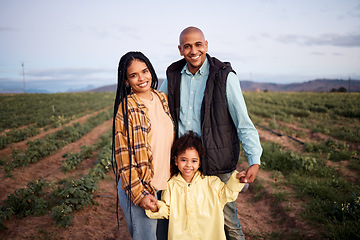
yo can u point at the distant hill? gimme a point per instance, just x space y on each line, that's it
21 90
107 88
318 85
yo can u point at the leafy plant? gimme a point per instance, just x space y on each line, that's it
5 214
73 159
62 215
40 148
27 201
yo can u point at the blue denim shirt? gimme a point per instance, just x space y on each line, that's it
192 89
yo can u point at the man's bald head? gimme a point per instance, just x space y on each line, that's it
190 30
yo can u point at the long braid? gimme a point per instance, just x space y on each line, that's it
121 98
122 92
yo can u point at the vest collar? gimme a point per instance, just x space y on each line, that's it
203 69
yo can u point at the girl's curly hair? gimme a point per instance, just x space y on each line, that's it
189 140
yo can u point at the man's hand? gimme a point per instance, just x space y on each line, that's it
149 202
251 173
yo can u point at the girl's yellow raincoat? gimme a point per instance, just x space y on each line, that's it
195 210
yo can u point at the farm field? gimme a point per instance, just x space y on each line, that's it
57 181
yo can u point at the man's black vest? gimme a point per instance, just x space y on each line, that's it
218 132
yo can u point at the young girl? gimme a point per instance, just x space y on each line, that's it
143 133
192 202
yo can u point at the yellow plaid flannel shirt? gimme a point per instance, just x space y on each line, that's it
141 167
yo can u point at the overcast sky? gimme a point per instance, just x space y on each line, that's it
70 44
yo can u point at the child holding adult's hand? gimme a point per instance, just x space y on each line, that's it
192 202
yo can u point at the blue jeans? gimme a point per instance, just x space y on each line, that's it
139 225
232 226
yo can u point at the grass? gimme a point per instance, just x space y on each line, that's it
279 197
333 114
332 202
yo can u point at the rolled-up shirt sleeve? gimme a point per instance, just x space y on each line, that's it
246 131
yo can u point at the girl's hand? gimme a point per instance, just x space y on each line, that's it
241 176
156 210
149 202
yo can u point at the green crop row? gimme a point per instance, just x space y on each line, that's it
305 103
74 195
74 159
17 135
26 201
333 114
49 109
61 198
40 148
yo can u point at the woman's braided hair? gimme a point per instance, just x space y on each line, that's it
122 91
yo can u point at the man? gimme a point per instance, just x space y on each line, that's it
205 97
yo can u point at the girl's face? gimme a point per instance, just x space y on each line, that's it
188 163
139 77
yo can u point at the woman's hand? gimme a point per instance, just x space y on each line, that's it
149 202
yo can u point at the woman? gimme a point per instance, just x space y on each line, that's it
143 133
